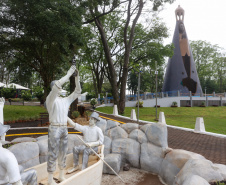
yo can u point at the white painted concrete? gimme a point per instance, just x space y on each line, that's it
133 115
162 118
199 125
115 110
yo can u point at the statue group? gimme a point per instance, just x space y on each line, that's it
57 107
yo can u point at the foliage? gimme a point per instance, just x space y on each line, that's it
41 34
38 92
8 92
174 103
75 114
26 95
214 117
93 102
210 63
140 104
203 103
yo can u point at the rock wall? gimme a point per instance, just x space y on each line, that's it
144 147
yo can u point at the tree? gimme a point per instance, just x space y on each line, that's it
210 65
117 74
41 34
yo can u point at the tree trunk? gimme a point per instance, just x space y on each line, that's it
113 77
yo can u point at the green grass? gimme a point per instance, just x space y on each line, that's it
214 117
18 112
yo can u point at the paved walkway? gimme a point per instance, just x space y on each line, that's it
211 147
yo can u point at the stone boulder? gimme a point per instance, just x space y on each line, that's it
195 179
23 139
43 150
156 133
116 133
139 136
73 141
114 161
129 150
27 153
201 167
221 169
129 127
173 162
107 145
151 158
102 124
42 137
112 124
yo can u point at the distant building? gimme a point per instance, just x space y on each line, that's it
181 74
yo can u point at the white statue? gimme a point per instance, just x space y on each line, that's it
93 136
58 133
9 169
2 102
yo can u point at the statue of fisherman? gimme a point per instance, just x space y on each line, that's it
57 108
93 137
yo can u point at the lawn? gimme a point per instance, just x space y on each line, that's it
19 112
214 117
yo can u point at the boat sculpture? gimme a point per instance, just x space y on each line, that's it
93 171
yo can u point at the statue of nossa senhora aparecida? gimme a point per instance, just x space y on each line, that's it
57 108
10 172
93 137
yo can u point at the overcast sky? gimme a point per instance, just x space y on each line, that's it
204 20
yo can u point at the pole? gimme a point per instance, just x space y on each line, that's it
156 103
138 97
101 159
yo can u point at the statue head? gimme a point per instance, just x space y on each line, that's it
94 117
61 93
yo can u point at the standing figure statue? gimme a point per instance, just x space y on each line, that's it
9 169
58 133
93 136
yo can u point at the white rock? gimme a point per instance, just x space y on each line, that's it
151 157
116 133
156 133
23 139
42 137
112 124
139 136
129 150
221 169
102 124
114 161
195 179
107 145
173 162
201 167
129 127
43 150
27 153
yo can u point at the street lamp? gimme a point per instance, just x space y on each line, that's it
156 102
205 91
138 97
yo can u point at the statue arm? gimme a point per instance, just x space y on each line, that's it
77 90
75 125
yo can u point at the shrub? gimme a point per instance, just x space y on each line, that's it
8 92
38 92
75 114
140 104
93 102
26 95
174 103
203 103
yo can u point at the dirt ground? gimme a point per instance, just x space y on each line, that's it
132 177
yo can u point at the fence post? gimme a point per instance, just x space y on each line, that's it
207 101
221 103
214 94
178 93
190 98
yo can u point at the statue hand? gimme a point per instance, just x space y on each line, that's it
71 70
